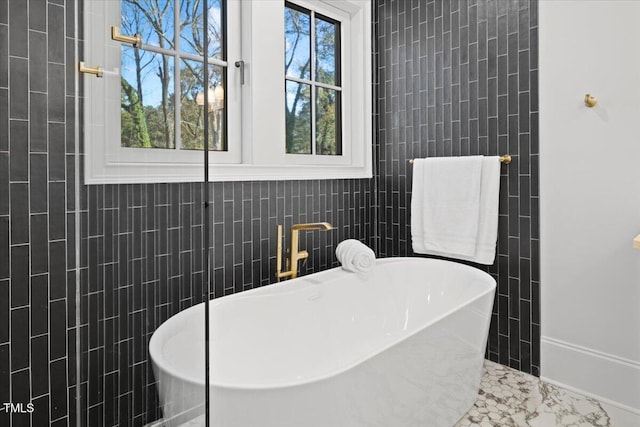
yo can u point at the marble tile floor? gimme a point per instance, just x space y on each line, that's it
510 398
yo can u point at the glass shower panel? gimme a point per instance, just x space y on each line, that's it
141 245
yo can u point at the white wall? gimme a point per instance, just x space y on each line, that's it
590 197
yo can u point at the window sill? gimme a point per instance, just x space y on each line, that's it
142 173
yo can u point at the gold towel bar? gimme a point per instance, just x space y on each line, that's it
506 159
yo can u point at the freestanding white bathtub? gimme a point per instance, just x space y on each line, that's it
400 346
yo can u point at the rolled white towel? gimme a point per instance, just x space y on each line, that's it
355 256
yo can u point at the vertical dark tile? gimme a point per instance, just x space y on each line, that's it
514 298
20 392
57 212
58 372
70 182
4 56
525 320
70 18
523 30
56 34
37 61
19 276
18 88
57 270
18 28
4 311
56 91
503 344
514 340
535 350
5 380
57 330
37 15
38 122
19 151
535 303
39 366
4 247
38 184
19 213
533 56
70 118
4 119
40 305
535 218
39 244
4 12
57 157
95 380
40 415
5 196
535 260
20 339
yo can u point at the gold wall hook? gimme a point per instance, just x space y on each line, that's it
135 40
590 100
96 71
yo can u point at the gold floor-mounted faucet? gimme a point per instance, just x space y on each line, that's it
296 254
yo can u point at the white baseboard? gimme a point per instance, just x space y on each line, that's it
606 377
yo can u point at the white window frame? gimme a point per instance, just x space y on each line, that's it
256 126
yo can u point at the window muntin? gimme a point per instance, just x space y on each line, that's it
162 80
313 83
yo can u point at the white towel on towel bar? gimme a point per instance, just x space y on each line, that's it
454 207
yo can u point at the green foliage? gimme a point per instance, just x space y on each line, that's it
134 124
326 132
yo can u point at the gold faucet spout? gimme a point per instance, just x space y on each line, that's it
313 226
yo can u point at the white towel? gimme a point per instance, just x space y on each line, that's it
442 223
355 256
446 220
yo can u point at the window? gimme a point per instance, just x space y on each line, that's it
284 80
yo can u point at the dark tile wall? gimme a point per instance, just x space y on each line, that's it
37 221
476 61
458 78
142 264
